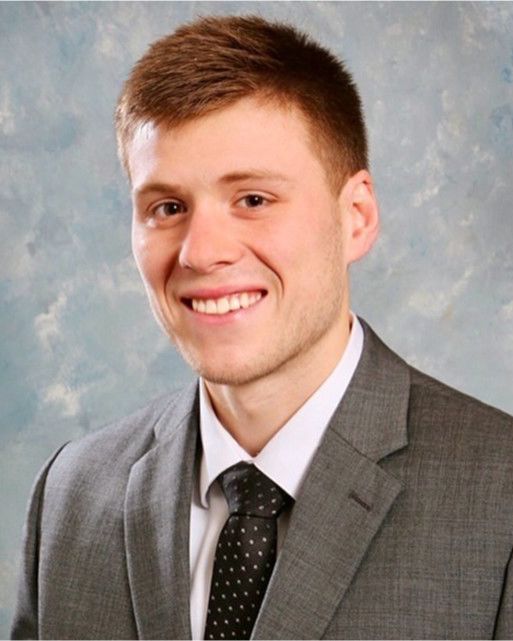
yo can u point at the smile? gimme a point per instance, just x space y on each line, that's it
224 304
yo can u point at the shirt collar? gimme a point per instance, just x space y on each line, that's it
286 457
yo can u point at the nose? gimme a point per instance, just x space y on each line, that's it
209 242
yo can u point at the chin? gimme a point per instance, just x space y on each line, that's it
226 375
227 368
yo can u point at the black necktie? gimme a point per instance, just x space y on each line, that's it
245 553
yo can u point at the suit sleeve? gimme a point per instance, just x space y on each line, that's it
25 623
504 621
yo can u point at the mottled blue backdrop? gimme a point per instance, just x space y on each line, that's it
78 344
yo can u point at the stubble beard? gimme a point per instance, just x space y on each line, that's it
287 350
300 340
291 348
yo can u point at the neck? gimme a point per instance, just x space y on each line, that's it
254 412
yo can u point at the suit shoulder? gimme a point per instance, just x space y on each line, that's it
112 450
441 406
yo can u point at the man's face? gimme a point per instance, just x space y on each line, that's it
239 240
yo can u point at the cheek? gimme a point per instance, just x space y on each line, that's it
279 248
318 264
305 241
292 245
152 255
141 253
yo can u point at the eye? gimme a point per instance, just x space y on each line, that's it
251 201
168 209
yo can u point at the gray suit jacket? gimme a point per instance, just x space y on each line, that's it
403 527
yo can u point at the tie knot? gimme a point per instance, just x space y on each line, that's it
250 492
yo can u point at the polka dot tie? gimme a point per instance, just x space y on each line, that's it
245 553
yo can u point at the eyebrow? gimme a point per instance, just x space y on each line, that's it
239 176
156 187
227 179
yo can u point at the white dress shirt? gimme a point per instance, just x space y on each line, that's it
285 459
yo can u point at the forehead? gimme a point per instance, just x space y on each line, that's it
250 133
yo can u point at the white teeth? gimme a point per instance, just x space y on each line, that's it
226 303
223 306
234 303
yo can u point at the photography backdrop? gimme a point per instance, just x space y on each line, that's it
78 345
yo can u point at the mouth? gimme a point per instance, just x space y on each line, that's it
223 305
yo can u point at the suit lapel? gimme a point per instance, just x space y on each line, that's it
342 503
157 510
343 500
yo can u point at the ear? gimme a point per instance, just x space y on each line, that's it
361 215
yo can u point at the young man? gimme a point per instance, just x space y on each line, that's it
311 484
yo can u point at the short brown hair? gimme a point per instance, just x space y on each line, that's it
212 62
